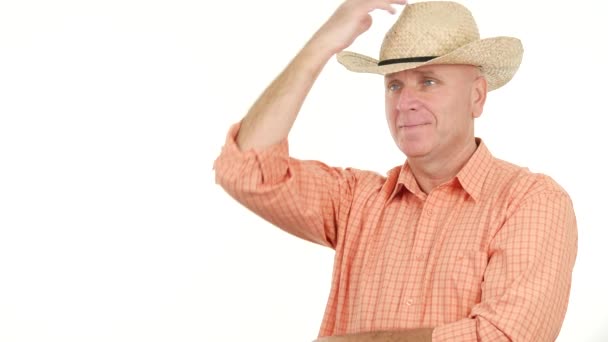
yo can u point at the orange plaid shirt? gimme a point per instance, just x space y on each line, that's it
487 256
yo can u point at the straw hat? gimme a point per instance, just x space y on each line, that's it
440 32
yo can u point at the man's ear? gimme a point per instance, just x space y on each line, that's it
479 92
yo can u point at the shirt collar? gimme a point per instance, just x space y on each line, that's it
471 177
474 173
400 178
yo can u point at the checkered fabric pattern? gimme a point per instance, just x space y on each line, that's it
487 256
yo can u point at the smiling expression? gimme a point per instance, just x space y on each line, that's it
430 109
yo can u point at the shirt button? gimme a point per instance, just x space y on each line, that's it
409 302
429 212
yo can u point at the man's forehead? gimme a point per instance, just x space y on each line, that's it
432 69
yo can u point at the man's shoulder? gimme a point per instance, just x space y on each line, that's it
371 177
366 182
520 183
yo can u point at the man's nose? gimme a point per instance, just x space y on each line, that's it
408 99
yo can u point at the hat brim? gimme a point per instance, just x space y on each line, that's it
498 57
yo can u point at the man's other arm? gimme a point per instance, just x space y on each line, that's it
413 335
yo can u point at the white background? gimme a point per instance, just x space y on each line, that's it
112 113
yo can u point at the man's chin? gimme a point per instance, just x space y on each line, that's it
415 151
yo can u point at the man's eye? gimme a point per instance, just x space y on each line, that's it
429 82
393 87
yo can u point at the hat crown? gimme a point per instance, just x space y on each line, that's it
428 29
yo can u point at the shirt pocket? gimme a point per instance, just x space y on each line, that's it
467 276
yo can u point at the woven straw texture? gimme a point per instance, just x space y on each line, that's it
446 30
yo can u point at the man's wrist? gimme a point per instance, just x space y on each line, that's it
320 47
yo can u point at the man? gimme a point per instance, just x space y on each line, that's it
454 245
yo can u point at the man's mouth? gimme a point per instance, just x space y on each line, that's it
413 125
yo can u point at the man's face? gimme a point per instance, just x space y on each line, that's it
430 109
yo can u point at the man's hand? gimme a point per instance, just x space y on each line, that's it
413 335
349 21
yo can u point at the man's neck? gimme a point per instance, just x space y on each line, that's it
431 172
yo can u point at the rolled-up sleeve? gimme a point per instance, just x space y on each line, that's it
305 198
527 281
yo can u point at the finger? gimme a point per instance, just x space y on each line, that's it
399 2
387 5
395 2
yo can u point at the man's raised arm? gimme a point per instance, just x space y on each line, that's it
271 117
